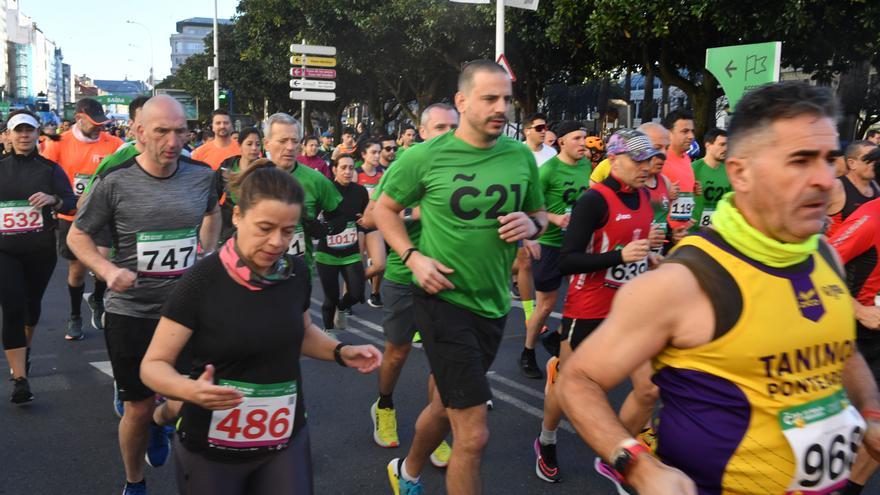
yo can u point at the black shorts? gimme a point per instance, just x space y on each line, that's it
460 346
545 271
870 349
127 341
576 331
102 239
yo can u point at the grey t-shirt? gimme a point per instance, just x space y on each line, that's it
155 224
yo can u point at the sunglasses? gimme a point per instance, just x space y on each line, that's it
390 148
539 127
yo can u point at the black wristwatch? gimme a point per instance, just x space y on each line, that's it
337 355
626 456
537 226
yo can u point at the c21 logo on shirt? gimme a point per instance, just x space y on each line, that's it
570 196
498 191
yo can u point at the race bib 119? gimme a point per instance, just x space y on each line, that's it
166 253
264 418
824 435
683 207
19 216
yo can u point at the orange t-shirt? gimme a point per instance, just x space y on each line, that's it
80 159
679 171
214 155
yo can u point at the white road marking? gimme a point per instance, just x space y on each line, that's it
103 367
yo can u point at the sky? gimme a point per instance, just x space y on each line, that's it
96 41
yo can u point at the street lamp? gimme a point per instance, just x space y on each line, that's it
150 34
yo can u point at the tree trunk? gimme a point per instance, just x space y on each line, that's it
647 113
704 105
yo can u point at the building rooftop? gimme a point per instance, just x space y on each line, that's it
200 21
122 88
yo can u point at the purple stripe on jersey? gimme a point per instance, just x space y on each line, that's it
702 422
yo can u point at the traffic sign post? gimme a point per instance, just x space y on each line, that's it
312 84
327 51
740 68
312 95
313 73
316 56
313 61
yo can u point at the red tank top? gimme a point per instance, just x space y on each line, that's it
589 294
369 182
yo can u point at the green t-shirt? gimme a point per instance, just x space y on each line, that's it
125 153
715 184
321 195
462 191
562 185
395 270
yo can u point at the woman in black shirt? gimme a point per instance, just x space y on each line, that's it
244 311
249 140
31 187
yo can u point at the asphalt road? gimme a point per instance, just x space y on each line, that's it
65 442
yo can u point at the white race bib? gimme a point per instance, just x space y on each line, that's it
824 435
298 244
166 253
706 217
345 239
683 207
618 275
19 216
264 418
80 181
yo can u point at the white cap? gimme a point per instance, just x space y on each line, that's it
22 118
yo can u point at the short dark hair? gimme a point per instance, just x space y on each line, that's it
406 128
713 134
348 130
384 138
364 144
220 111
263 180
470 69
871 133
854 149
676 115
532 117
335 162
247 132
760 107
310 138
135 105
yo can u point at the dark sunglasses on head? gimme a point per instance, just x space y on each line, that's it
539 127
390 148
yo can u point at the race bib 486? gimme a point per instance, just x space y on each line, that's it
264 418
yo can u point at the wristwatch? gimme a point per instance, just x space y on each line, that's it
626 456
537 226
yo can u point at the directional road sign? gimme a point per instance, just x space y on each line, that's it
311 84
328 51
314 61
312 95
313 73
740 68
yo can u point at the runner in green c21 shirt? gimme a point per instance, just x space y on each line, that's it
711 174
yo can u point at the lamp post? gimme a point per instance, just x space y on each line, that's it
150 34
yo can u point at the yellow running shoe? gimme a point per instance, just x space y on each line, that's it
417 340
384 426
648 438
440 456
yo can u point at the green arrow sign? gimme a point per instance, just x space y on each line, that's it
740 68
114 99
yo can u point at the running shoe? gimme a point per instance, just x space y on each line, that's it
546 466
330 332
340 319
552 371
417 340
135 488
97 309
648 438
613 476
375 300
118 406
384 426
399 485
514 290
159 448
74 328
21 391
440 456
528 365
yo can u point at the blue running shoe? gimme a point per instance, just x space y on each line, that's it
118 406
135 488
159 448
399 485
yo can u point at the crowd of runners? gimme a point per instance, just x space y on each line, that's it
734 283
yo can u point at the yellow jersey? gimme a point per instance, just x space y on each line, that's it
761 408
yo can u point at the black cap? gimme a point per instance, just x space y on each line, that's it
92 110
566 126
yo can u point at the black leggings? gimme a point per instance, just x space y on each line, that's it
23 280
355 282
288 472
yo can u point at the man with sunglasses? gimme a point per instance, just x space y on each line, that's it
388 151
79 152
535 131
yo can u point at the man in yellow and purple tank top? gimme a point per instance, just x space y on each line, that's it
749 329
